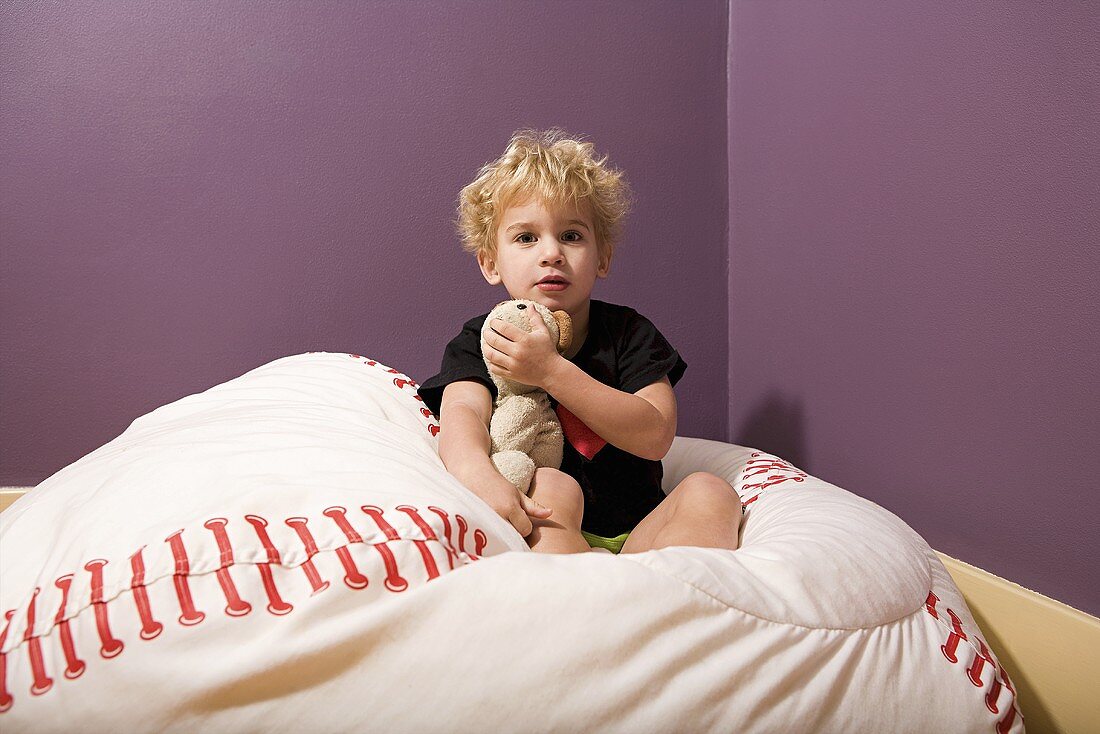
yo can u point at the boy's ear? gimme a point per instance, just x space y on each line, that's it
603 267
488 268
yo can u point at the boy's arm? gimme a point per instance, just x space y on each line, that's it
464 445
464 442
643 424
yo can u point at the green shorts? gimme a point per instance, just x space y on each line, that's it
612 544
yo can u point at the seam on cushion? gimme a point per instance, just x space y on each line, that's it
206 565
465 558
929 606
111 646
687 583
766 464
299 555
957 634
213 564
753 614
999 678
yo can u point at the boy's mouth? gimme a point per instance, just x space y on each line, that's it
552 283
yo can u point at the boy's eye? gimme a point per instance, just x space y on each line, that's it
565 236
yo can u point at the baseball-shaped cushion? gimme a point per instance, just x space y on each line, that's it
286 551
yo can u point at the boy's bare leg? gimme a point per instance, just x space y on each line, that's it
548 536
703 511
561 532
714 529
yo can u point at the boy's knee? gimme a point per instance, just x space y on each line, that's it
559 491
706 489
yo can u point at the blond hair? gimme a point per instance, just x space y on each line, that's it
550 166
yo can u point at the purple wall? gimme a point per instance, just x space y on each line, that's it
188 191
914 221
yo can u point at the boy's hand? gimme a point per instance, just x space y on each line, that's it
525 357
507 501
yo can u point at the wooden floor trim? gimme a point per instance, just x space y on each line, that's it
1050 650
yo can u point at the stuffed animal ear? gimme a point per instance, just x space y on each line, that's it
565 330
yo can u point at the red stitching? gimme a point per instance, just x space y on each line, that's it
375 514
980 659
451 553
772 480
111 646
5 696
401 382
275 603
259 524
42 682
422 545
394 581
768 463
953 638
339 516
188 614
480 539
150 628
310 569
1006 723
991 697
930 605
420 523
982 655
462 527
353 578
234 605
74 666
426 556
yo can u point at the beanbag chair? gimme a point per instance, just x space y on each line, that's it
286 551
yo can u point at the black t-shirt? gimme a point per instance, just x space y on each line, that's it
624 350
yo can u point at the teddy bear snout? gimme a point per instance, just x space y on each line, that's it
521 306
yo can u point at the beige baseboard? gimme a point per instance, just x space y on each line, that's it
11 494
1051 650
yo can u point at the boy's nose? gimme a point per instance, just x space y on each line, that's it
551 254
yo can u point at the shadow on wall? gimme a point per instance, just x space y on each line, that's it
775 426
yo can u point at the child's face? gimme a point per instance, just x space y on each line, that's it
534 242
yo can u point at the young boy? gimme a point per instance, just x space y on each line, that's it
543 220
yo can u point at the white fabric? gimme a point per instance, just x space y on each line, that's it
192 604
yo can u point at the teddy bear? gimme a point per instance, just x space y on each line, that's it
524 430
